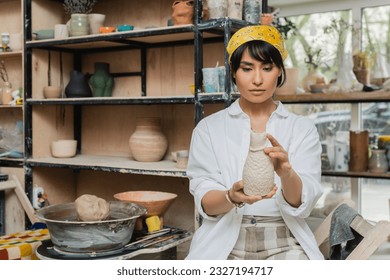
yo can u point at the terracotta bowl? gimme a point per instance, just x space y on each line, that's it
156 203
64 148
107 29
52 92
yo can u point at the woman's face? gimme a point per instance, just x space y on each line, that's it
256 81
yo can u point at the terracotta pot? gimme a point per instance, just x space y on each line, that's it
156 203
148 143
182 12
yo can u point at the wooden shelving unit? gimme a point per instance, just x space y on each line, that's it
11 18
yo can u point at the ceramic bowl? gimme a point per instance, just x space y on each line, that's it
124 27
156 203
107 29
52 92
317 88
63 148
44 34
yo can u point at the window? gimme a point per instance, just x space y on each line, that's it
313 34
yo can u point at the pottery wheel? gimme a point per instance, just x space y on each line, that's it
48 251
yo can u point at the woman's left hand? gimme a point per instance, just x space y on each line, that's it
279 157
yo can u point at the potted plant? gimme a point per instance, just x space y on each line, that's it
314 81
78 6
78 11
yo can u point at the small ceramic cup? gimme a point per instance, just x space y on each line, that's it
15 41
61 31
64 148
95 22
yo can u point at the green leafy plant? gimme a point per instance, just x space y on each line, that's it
78 6
285 26
313 58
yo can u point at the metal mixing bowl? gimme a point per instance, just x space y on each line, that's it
71 235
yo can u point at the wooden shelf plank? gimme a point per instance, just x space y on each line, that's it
11 54
348 97
11 162
115 100
11 106
356 174
111 164
134 38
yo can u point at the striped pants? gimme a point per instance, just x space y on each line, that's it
266 238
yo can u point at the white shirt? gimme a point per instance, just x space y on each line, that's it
219 147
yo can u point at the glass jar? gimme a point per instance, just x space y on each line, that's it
5 42
378 161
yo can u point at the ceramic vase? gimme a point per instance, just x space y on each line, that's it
78 86
235 9
148 143
378 161
258 174
6 96
358 150
217 8
101 81
252 11
79 25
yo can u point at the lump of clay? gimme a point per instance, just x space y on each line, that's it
92 208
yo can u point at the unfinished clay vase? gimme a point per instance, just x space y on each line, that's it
148 143
258 174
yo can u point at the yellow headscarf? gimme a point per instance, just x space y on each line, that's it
265 33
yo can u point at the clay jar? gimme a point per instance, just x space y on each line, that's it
101 81
148 143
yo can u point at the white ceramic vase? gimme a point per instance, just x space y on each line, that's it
258 174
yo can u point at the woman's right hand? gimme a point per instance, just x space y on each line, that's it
237 194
